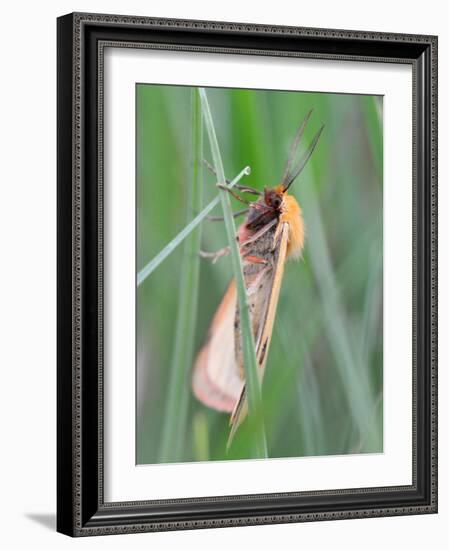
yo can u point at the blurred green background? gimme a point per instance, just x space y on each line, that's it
322 392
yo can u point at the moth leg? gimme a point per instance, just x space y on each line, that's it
229 190
211 169
248 189
215 256
243 188
221 218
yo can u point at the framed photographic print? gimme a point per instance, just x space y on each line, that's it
247 281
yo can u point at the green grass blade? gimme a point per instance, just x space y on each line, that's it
175 419
201 437
353 377
309 402
249 353
372 109
174 243
371 310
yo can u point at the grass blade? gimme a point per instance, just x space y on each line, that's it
249 352
201 437
372 109
174 243
175 419
354 379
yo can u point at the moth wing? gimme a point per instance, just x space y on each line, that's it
264 340
266 325
216 381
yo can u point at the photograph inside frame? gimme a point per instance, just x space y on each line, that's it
304 177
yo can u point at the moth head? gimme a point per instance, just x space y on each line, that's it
274 197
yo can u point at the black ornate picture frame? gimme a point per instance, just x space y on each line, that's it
81 509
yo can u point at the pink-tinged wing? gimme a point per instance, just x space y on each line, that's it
216 381
265 301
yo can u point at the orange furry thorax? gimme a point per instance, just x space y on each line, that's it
291 213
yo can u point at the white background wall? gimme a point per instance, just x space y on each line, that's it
27 299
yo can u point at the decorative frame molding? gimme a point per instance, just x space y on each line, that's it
81 41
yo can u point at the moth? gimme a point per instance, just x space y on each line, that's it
272 232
